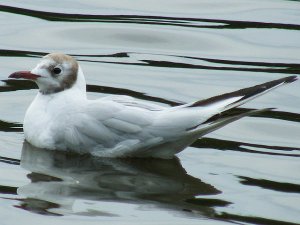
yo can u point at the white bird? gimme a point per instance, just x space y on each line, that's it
62 118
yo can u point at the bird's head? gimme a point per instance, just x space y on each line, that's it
56 72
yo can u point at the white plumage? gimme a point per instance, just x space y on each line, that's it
62 118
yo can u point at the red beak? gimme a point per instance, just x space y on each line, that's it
25 75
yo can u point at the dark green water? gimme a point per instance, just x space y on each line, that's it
166 52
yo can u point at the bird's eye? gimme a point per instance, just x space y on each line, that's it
57 70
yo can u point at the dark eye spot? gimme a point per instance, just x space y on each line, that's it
56 70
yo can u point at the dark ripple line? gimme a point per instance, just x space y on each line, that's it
10 126
212 60
8 190
225 145
252 219
281 115
247 63
168 64
31 54
289 68
286 68
271 185
142 19
192 66
9 160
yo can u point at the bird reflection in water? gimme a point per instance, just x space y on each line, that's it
58 179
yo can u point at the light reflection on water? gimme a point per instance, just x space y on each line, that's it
168 53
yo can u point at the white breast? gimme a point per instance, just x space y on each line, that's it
36 124
45 114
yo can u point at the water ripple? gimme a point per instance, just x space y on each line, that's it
142 59
158 51
140 19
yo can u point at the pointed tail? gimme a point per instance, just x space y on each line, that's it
239 97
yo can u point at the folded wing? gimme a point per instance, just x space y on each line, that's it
123 126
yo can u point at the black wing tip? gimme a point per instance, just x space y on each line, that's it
247 92
290 79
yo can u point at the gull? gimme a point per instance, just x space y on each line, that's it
62 118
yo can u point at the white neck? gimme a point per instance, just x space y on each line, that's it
80 83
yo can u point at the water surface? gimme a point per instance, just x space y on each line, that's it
166 52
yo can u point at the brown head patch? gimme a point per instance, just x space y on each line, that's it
69 67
